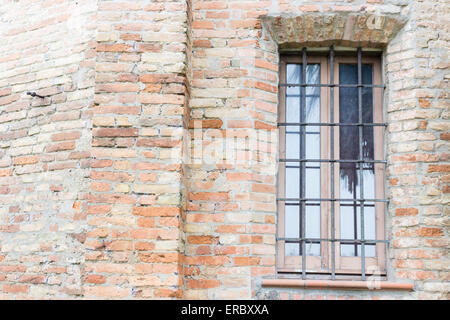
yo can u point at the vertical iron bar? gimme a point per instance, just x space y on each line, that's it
361 171
302 166
333 236
300 104
355 215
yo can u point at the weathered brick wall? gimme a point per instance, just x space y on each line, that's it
91 177
231 219
103 193
134 244
417 146
48 48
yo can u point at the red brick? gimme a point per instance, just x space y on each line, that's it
264 126
438 168
101 163
218 196
25 160
159 257
63 146
115 132
203 239
430 232
202 24
15 288
406 212
205 124
246 261
114 48
230 229
147 177
97 279
263 188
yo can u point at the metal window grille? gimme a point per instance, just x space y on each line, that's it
302 163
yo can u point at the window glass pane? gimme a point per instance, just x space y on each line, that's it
292 229
369 181
293 76
312 182
312 144
348 214
349 189
292 182
312 93
292 221
312 229
292 146
293 113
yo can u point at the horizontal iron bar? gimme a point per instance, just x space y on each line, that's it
329 124
318 204
329 85
333 160
331 199
332 240
307 167
306 204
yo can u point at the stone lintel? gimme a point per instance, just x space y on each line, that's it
347 29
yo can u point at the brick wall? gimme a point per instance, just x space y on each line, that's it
134 243
417 147
103 190
48 48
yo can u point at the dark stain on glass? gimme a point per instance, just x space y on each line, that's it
349 113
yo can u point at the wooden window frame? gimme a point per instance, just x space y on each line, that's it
320 266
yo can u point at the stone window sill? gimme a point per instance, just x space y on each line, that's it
338 284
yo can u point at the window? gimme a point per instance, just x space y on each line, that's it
331 167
